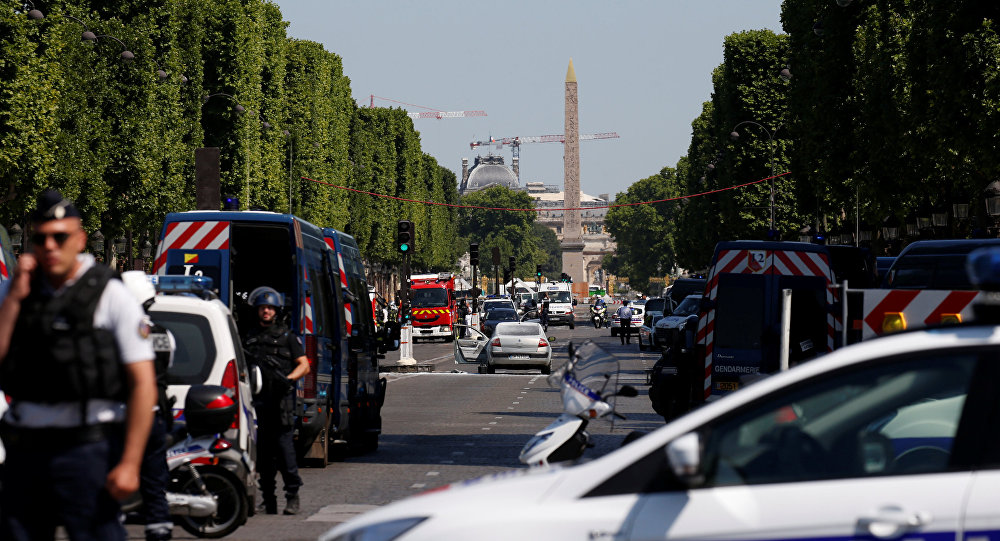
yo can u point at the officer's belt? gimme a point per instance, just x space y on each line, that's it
19 436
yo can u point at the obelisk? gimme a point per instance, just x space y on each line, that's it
572 241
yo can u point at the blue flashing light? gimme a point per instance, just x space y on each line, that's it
983 268
197 285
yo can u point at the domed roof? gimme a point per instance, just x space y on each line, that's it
489 171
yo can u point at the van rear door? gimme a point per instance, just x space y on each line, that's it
740 316
809 331
196 248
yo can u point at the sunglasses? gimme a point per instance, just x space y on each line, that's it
38 239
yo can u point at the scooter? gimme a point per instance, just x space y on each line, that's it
599 316
205 494
587 384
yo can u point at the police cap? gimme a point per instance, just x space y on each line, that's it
53 206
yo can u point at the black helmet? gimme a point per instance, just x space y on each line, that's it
265 296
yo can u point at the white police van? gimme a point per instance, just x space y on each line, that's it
893 438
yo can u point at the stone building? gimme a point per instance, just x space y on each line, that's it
488 171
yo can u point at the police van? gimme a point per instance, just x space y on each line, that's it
242 251
560 303
7 259
893 438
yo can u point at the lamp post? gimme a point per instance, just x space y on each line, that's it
735 136
291 142
993 200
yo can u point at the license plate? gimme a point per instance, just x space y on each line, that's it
519 357
727 386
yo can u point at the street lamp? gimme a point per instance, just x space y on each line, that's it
735 136
16 236
291 142
89 35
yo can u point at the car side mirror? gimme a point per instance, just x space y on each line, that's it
684 457
256 380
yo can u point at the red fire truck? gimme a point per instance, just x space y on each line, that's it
433 306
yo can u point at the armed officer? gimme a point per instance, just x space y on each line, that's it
279 355
77 364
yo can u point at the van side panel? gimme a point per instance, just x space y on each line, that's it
195 248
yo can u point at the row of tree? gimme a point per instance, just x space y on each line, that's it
892 110
119 136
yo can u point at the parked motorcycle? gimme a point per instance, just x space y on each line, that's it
205 494
599 315
588 385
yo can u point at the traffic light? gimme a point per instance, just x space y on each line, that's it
566 278
538 271
474 254
510 264
404 236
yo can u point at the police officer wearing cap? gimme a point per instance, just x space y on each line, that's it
279 355
77 364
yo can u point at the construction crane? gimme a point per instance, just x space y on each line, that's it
430 113
516 142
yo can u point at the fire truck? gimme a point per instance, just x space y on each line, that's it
433 306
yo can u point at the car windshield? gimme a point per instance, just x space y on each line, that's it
430 298
195 353
688 307
519 329
501 314
560 296
493 305
656 305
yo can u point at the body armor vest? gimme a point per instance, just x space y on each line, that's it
267 347
56 354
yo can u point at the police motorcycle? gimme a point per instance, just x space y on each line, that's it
205 494
588 386
599 315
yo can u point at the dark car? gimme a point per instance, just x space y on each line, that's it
496 315
934 264
681 288
655 307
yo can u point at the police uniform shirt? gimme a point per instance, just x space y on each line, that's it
117 310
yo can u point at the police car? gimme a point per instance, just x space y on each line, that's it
209 352
894 438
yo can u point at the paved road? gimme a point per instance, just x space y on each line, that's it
448 425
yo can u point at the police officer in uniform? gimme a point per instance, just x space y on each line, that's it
279 355
154 476
77 364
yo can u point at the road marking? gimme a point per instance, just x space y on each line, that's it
433 473
510 407
339 512
418 485
493 422
486 428
457 453
517 402
498 417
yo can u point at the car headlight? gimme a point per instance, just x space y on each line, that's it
380 531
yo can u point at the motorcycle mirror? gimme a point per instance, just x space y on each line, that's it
628 391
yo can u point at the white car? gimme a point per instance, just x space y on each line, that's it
519 345
894 438
209 352
638 311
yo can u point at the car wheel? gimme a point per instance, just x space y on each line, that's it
642 347
547 369
490 369
614 332
572 325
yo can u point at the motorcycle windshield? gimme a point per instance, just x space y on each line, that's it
587 383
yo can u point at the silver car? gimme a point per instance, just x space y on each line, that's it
519 345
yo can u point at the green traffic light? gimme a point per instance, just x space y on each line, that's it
404 247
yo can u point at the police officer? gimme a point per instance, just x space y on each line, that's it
77 364
279 355
543 312
624 315
154 476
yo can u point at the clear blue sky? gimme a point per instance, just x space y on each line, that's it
644 70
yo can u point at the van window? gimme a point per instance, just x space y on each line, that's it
262 255
560 296
195 354
930 272
739 312
656 305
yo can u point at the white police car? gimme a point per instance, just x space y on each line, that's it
894 438
209 352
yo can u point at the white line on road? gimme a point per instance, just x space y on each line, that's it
339 512
418 485
433 473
